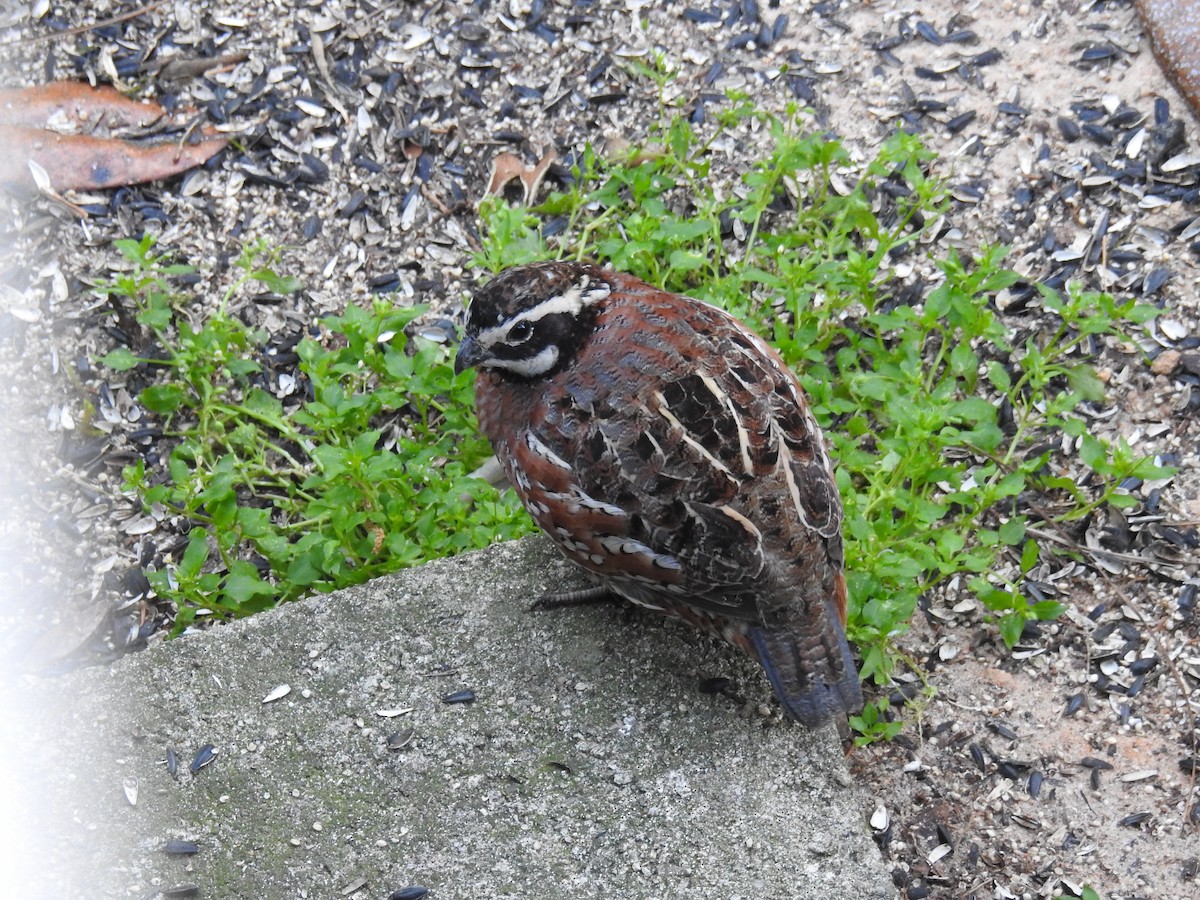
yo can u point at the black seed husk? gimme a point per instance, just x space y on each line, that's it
1034 787
1155 279
929 33
1009 770
1099 133
977 757
961 36
1003 730
203 757
1098 54
961 121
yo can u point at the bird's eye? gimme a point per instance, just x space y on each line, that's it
520 332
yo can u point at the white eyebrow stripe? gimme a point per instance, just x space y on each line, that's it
571 302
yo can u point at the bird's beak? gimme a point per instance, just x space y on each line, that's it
469 353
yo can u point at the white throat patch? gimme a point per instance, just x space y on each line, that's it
530 366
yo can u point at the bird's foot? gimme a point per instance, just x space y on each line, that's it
581 597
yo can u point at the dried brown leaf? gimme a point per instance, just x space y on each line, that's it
81 105
83 162
506 167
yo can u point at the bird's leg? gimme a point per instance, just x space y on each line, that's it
581 597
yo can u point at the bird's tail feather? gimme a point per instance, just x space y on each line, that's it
813 676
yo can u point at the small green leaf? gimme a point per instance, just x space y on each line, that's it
998 376
1030 554
1011 626
1010 485
686 261
1012 532
280 284
196 554
156 317
963 359
120 360
1142 313
1085 383
1047 609
1094 454
244 585
162 398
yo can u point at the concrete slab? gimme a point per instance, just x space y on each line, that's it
589 764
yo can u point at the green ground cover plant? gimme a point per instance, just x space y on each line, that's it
944 420
941 420
282 505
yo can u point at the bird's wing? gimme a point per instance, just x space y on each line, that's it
688 487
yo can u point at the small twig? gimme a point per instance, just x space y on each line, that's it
177 68
1096 552
81 29
446 212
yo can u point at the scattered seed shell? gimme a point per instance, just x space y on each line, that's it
398 740
880 818
277 693
204 756
1140 775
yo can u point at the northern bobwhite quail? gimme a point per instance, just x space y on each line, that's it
669 451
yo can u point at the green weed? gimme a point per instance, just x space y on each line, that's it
368 474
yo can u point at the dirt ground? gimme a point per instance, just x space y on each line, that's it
1070 762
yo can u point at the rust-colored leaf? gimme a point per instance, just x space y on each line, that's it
84 162
67 130
506 167
74 103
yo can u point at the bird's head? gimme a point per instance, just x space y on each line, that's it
528 320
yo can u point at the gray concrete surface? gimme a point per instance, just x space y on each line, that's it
589 766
